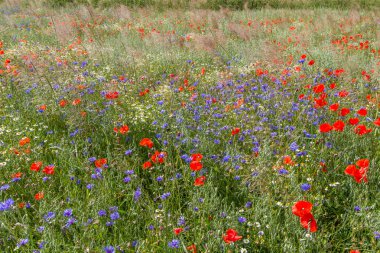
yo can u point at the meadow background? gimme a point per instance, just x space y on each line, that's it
189 126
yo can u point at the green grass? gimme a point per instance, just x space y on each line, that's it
82 53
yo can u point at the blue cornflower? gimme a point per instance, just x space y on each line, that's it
4 187
22 242
127 179
109 223
377 235
283 171
109 249
242 219
305 187
128 152
68 212
293 146
137 194
181 221
70 222
357 208
174 244
129 172
165 195
92 159
49 216
102 213
115 216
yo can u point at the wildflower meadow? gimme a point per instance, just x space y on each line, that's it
138 129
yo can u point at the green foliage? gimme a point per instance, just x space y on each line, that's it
231 4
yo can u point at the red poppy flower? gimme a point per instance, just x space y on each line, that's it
99 163
354 251
287 160
112 95
377 122
321 101
231 236
325 128
358 174
76 101
199 181
307 221
334 107
301 208
343 93
338 126
147 165
124 129
16 175
146 142
49 170
362 129
39 196
42 107
235 131
24 141
177 231
158 157
344 112
332 86
63 103
362 112
192 248
196 157
36 166
319 88
311 62
362 163
353 121
196 165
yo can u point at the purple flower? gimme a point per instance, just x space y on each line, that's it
109 223
242 219
137 194
181 221
68 212
357 208
70 222
165 195
174 244
4 187
109 249
115 216
377 235
128 152
22 242
102 213
49 216
305 187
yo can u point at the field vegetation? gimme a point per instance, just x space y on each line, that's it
189 127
